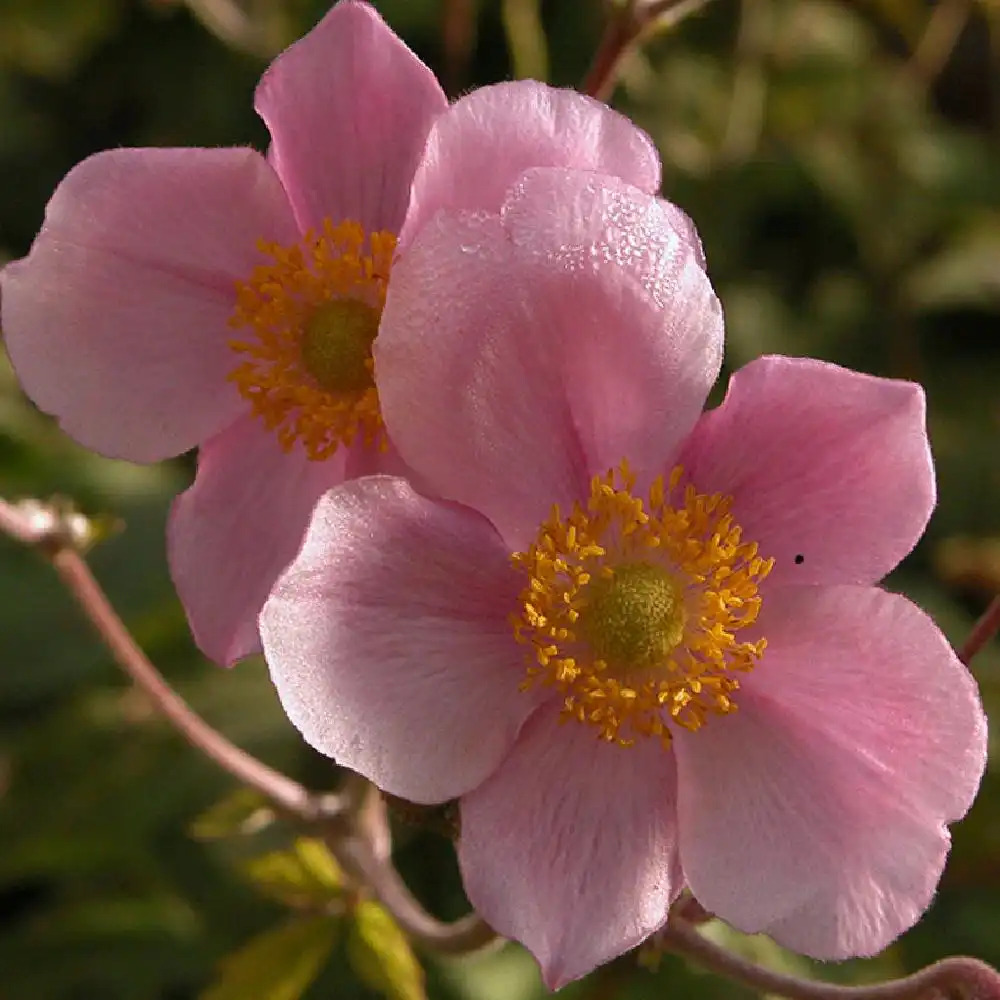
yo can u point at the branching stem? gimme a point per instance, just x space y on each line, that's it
355 820
960 978
623 30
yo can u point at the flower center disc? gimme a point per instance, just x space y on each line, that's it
308 318
634 617
337 345
632 607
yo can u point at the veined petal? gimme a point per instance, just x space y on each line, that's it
830 470
116 322
237 527
388 640
348 108
578 330
817 812
571 846
487 139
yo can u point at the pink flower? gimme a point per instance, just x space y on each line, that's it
643 645
211 297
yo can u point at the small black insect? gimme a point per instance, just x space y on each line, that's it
799 560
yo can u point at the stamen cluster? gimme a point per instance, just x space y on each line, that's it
690 539
277 303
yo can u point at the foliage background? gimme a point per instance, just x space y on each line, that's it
841 161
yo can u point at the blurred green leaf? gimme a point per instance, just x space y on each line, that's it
965 272
305 876
381 956
50 37
526 39
241 812
279 964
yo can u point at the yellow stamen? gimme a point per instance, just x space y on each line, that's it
312 315
632 606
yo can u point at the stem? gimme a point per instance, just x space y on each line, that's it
358 831
466 935
20 526
951 977
622 31
619 33
944 27
35 526
982 632
458 39
285 793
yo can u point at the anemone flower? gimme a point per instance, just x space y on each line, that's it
217 298
644 646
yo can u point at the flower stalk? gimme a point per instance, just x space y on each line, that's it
952 978
625 29
354 821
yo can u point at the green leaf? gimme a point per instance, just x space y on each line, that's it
522 20
381 956
244 811
306 876
279 964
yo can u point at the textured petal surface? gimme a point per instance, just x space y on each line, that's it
116 322
518 357
236 528
389 644
571 846
349 107
482 145
817 812
823 463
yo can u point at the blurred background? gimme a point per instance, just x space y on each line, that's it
842 161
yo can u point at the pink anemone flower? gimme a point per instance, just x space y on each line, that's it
217 298
643 645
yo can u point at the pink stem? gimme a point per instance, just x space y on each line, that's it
952 977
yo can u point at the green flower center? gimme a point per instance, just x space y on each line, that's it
633 617
337 345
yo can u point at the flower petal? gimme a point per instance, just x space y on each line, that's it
116 322
823 463
236 528
516 359
487 139
571 846
348 107
389 644
817 812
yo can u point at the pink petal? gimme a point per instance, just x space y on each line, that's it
237 528
482 145
348 107
116 322
822 463
389 644
516 359
571 846
817 813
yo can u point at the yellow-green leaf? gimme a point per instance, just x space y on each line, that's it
243 811
381 956
279 964
305 876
